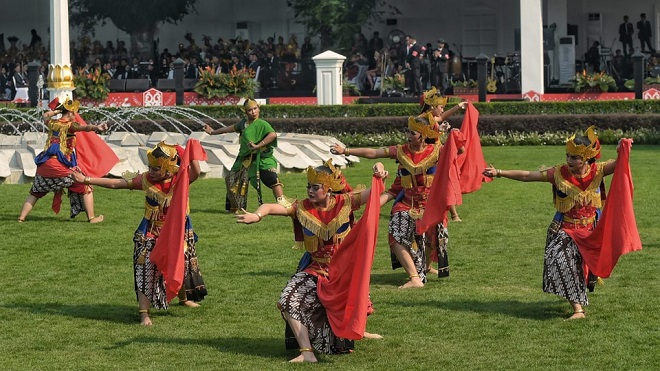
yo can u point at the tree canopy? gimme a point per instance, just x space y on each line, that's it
337 21
130 16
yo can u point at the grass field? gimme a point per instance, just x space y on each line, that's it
67 300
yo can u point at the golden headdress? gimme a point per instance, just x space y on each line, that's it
67 104
428 130
249 103
585 151
164 156
334 180
431 98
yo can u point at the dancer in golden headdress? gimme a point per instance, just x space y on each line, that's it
60 157
255 162
161 183
321 223
417 161
578 195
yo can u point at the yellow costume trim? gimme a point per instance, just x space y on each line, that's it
323 230
409 181
576 196
128 176
62 129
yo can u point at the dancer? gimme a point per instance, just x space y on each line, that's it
165 215
322 224
434 102
572 263
255 162
417 165
60 157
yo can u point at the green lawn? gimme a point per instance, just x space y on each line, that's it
67 300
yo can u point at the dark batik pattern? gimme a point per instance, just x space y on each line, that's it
45 185
192 280
402 228
443 258
300 301
563 274
148 279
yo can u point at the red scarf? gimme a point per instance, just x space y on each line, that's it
616 233
95 157
345 295
167 255
445 189
471 162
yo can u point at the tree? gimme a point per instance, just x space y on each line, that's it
138 18
337 21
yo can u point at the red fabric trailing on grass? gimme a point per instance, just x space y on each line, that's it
345 295
168 252
471 162
445 189
616 233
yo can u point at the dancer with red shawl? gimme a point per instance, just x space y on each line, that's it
164 257
418 161
582 242
326 302
70 146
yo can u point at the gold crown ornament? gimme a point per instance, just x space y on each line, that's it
585 151
71 105
334 181
164 156
431 98
427 130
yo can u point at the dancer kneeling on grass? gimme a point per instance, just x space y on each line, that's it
70 146
582 242
334 273
163 266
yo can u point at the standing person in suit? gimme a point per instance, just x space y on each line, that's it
414 53
626 31
644 33
440 60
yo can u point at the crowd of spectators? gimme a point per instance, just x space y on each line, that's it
277 64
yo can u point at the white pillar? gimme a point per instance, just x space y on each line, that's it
531 35
60 74
329 77
557 15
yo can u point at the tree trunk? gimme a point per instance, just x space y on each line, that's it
143 44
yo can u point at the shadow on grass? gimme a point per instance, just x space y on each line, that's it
394 279
124 314
260 347
540 310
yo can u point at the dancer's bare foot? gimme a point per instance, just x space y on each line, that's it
414 282
21 220
456 218
189 303
144 318
96 219
578 314
368 335
306 355
431 271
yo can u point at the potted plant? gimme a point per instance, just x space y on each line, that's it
91 85
593 82
350 88
238 82
647 83
465 87
394 84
